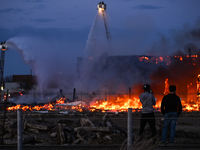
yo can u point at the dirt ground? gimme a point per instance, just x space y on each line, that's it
187 128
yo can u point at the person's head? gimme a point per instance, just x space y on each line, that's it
146 87
172 88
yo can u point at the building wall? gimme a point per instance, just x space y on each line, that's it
26 81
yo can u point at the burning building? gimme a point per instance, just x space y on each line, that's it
115 74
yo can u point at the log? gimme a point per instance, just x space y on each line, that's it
122 130
7 136
13 141
43 138
10 141
77 141
103 119
33 130
61 134
108 123
54 134
28 139
39 126
95 129
86 122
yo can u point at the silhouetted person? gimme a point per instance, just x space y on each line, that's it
171 108
148 100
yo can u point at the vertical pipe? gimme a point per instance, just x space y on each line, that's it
129 92
19 129
105 96
81 102
130 129
74 94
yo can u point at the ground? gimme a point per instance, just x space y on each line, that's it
187 129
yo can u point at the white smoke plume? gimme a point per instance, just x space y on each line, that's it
48 59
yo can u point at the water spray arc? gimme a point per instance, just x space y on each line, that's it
101 7
98 47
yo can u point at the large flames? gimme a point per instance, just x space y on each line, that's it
112 104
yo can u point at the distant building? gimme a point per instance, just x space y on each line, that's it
21 83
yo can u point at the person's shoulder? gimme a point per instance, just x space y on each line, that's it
165 96
176 96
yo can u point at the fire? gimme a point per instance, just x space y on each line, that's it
116 105
190 107
14 107
49 106
161 59
113 104
166 87
143 58
119 103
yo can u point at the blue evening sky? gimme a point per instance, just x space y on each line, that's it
53 33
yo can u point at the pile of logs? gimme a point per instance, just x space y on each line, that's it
38 131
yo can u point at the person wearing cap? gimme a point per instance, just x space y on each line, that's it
148 101
171 108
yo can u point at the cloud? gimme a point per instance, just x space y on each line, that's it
11 10
146 7
43 20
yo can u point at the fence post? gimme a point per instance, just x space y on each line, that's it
130 129
19 130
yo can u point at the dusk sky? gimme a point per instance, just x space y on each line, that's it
52 31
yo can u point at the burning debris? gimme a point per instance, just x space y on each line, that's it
112 103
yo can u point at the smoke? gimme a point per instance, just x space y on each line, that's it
99 71
177 40
180 72
117 73
48 59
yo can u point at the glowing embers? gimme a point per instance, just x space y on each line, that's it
198 88
143 58
155 59
190 59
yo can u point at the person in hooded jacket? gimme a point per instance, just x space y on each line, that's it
148 101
